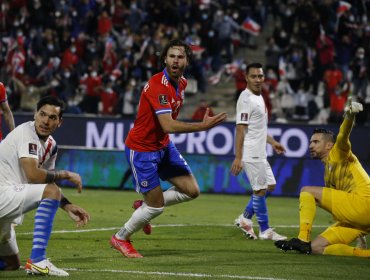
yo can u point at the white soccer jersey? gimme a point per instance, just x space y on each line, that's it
20 143
251 110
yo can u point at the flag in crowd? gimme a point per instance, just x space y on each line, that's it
251 26
343 6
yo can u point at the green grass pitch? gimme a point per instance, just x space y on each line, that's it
193 240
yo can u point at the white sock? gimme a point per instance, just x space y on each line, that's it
142 216
174 196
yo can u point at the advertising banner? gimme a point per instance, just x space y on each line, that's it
94 148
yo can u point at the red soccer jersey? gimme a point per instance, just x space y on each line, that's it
159 96
2 99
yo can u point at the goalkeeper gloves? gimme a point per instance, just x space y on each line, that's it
352 107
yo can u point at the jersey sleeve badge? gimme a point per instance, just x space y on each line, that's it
32 149
244 117
163 99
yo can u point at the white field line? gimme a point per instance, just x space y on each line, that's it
163 225
189 275
173 274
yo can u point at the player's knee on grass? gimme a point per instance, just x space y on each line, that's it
194 193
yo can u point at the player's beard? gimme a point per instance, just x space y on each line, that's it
315 155
175 72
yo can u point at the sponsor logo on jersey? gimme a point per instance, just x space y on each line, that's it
244 117
32 149
163 99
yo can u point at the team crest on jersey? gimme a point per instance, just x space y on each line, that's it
163 99
32 149
244 117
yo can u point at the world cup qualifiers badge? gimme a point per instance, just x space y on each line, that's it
32 149
244 117
163 99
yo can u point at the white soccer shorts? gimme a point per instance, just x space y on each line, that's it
259 174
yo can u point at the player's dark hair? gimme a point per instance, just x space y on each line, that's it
327 134
52 100
176 43
253 65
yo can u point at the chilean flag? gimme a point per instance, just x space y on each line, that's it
282 67
343 7
251 26
197 49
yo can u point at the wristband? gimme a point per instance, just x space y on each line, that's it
63 202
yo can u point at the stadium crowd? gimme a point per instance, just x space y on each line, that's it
97 54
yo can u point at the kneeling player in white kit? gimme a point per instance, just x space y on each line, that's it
27 182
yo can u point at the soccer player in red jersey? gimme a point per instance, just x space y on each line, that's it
151 154
8 115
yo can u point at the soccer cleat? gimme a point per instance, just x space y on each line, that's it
44 267
294 244
147 229
270 234
245 225
125 247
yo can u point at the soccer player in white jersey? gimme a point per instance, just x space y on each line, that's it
27 182
250 154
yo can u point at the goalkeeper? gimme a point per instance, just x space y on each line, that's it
346 196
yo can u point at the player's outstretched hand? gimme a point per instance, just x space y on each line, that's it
278 148
79 215
210 122
75 179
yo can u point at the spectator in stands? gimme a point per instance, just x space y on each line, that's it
30 94
333 77
200 111
344 54
305 106
359 66
286 97
129 100
93 83
108 98
139 29
338 99
224 26
272 54
240 81
325 53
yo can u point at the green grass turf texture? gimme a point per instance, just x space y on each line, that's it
205 246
